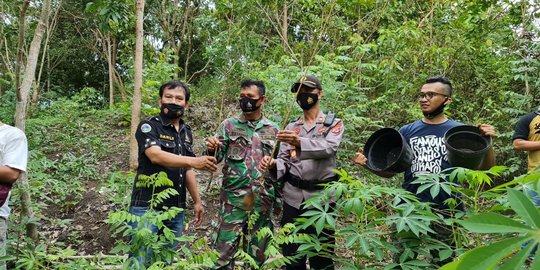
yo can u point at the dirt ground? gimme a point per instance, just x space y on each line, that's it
88 234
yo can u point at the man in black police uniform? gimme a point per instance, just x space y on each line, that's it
165 145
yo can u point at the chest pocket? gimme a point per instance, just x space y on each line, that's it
168 146
189 148
238 148
268 145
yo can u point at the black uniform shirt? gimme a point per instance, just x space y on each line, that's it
158 131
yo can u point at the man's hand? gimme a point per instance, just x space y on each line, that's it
359 158
198 212
487 130
212 144
288 136
205 163
267 163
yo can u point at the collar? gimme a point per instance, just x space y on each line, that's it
261 121
319 120
166 122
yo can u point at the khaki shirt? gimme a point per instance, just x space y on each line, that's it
315 159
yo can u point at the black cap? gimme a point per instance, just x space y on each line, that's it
309 81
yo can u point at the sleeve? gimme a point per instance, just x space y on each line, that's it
146 136
16 152
522 127
322 148
405 131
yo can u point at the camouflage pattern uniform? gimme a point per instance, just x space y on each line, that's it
244 191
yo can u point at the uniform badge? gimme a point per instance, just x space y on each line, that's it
337 128
145 128
309 100
297 130
293 153
322 129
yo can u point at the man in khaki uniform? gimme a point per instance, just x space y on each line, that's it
306 159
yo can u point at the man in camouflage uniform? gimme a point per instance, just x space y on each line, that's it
242 142
306 159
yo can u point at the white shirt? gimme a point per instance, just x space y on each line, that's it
13 153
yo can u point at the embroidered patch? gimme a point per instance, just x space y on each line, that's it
166 137
297 130
322 129
145 128
337 128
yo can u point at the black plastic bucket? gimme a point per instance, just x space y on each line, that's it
387 151
466 147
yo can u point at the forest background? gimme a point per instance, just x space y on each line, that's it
70 72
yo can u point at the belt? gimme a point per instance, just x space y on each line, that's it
309 185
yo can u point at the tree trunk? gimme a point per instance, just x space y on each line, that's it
285 25
116 76
20 45
20 111
110 65
50 28
138 72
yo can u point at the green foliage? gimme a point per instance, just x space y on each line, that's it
487 257
142 239
274 239
363 217
118 187
7 110
112 16
371 56
89 97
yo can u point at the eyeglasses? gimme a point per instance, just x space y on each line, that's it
429 95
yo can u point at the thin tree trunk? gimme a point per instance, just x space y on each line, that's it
138 72
21 108
116 76
285 25
50 28
110 66
20 45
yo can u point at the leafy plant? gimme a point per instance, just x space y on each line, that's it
524 230
141 237
367 220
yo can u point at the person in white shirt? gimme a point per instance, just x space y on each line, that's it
13 160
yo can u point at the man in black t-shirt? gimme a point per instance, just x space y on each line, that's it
165 145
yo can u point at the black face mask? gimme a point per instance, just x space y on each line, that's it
435 112
307 100
173 110
248 104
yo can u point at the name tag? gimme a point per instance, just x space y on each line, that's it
166 137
